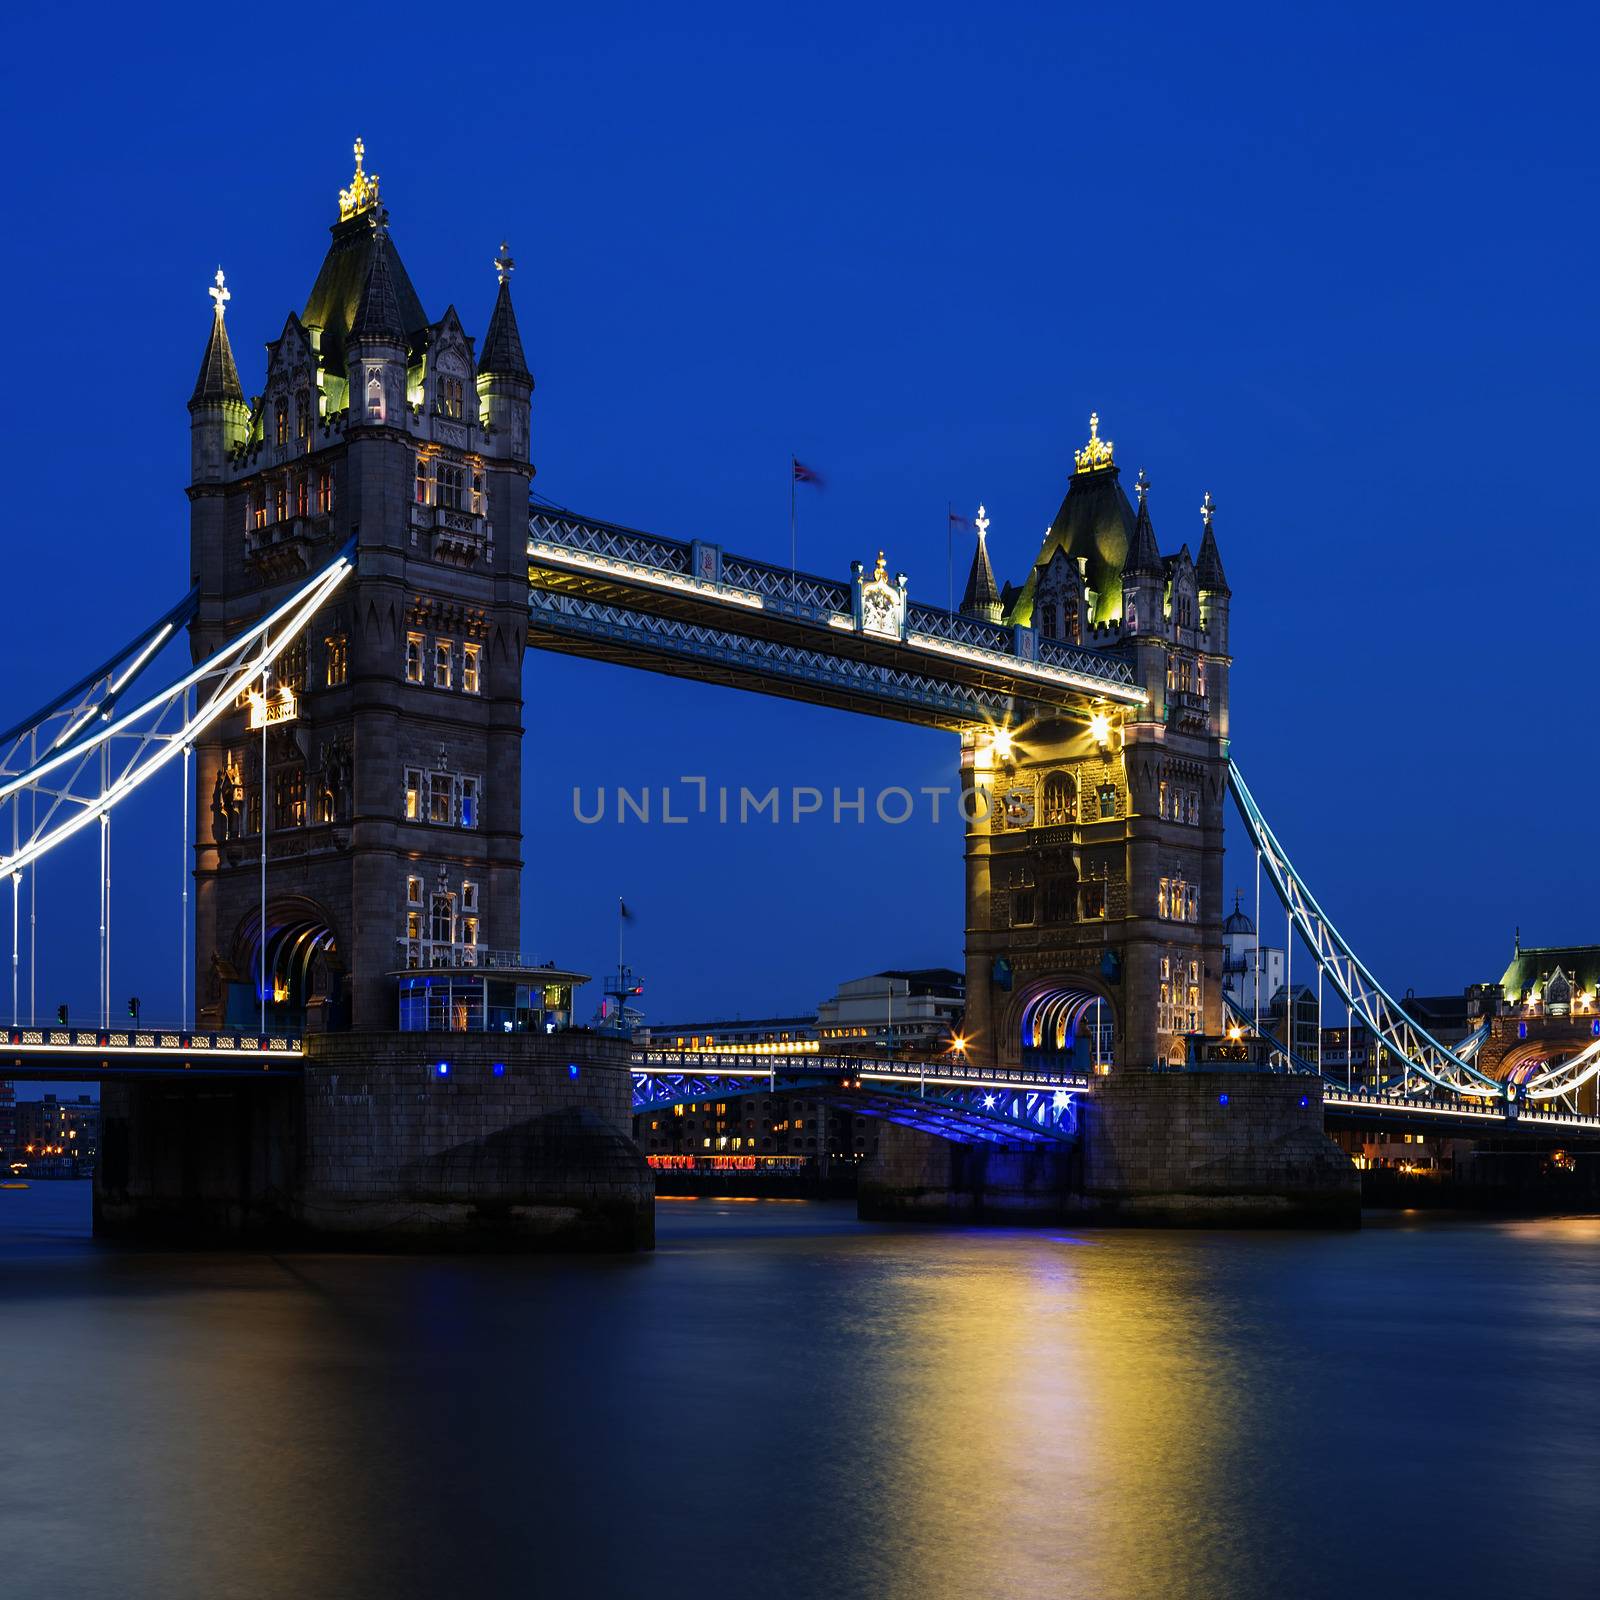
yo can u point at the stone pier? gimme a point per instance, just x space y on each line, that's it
390 1140
1179 1149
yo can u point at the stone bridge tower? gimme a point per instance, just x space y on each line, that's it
1094 872
390 791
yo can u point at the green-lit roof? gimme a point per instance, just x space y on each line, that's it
1096 522
336 295
1530 965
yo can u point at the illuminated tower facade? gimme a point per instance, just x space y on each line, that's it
1094 854
389 786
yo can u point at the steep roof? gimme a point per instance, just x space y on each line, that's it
1208 568
336 295
219 377
1096 522
378 311
1144 555
502 344
1532 964
981 597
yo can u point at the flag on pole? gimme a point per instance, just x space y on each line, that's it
959 521
805 474
623 911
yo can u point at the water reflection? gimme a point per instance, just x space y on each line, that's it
781 1401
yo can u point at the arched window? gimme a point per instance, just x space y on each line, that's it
1060 799
1047 621
374 395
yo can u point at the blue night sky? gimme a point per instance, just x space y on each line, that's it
1336 268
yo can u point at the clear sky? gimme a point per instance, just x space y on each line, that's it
1334 265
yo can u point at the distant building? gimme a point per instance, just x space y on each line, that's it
760 1035
1302 1032
919 1008
8 1118
755 1130
59 1127
1247 966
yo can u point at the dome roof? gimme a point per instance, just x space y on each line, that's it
1238 921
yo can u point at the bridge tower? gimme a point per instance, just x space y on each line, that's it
1094 869
389 779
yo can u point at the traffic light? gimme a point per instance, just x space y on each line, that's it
61 1015
133 1007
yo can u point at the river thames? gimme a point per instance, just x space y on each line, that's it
781 1401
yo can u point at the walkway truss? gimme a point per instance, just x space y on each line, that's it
1427 1068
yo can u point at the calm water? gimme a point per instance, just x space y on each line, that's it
784 1402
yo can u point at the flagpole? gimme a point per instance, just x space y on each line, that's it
793 473
949 558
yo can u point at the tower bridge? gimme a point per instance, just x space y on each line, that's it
368 567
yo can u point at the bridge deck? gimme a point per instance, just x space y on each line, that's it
88 1055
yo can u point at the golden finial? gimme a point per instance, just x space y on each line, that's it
219 293
881 575
503 264
1096 455
1208 508
981 522
362 194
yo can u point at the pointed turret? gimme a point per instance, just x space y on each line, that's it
1144 573
505 386
502 344
219 377
1208 568
219 419
981 598
377 317
1144 555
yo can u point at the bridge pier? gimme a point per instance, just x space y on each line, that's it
1178 1149
391 1140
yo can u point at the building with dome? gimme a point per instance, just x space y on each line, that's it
1249 969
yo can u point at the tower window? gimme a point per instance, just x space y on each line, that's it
471 658
374 394
422 480
441 922
1060 799
448 482
338 660
302 415
439 787
450 396
292 667
469 802
281 422
414 793
413 890
414 643
302 496
1108 801
441 663
1021 907
258 508
280 501
324 492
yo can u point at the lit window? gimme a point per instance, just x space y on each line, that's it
374 394
469 896
280 501
1060 799
469 802
414 791
324 492
441 663
1163 800
1108 801
448 483
1161 898
450 396
292 665
414 643
413 890
338 660
282 422
1199 676
302 408
439 795
471 655
257 517
422 480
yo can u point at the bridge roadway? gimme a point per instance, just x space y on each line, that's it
94 1054
689 609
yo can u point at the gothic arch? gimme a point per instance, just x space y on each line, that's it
1050 1023
304 960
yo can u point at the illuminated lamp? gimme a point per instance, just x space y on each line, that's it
1222 1099
443 1069
1001 743
572 1069
499 1069
1100 729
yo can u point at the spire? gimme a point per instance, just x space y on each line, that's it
1144 556
219 377
502 344
1208 568
378 312
981 597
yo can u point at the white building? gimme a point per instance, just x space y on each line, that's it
919 1008
1249 968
